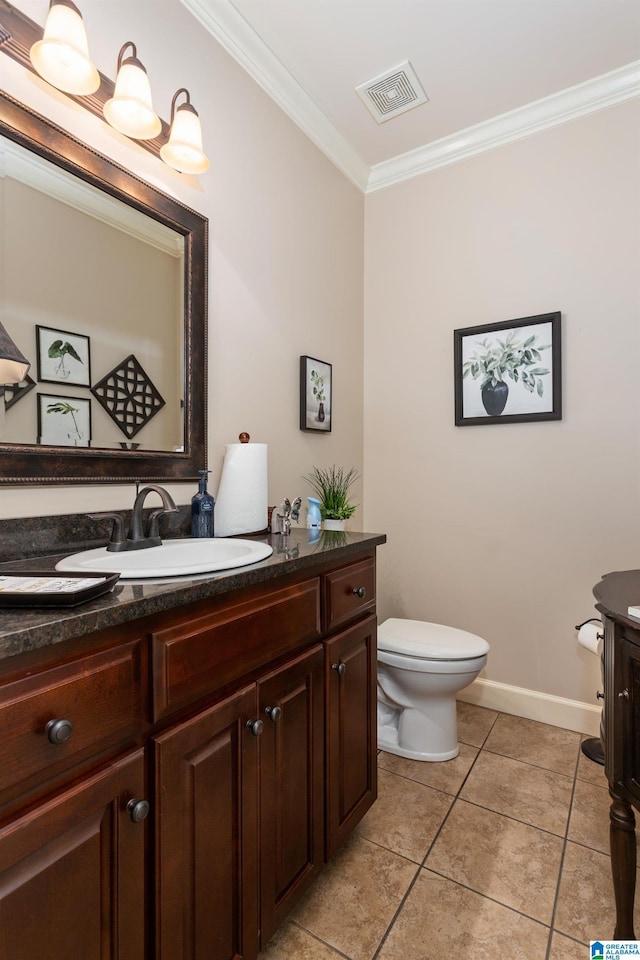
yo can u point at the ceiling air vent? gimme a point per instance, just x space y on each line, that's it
393 92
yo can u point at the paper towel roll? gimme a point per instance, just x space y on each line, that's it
241 503
589 636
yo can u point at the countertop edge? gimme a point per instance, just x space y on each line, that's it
25 630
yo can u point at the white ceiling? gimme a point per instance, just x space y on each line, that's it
477 60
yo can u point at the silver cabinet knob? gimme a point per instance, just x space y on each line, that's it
623 695
58 731
255 726
138 810
274 713
360 592
340 668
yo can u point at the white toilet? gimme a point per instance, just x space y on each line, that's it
421 668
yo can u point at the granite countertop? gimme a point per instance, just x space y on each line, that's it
22 630
616 592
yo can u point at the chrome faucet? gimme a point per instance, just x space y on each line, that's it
136 538
286 513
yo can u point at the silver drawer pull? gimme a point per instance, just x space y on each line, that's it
274 713
360 592
58 731
340 668
255 726
138 810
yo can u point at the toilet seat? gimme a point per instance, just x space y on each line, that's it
429 641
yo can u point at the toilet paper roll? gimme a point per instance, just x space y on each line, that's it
241 503
589 636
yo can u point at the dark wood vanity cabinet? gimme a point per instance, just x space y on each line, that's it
247 723
621 728
72 871
351 729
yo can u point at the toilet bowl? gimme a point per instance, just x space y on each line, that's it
421 668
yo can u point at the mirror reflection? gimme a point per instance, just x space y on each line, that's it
103 285
93 294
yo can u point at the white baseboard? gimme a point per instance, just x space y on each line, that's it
533 705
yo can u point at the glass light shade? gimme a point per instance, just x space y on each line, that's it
62 56
130 110
13 366
184 150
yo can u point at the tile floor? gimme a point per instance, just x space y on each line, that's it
502 852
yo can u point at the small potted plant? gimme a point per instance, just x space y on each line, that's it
332 485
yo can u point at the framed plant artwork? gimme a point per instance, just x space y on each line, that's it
508 372
64 421
315 395
63 357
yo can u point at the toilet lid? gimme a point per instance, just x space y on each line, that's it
432 641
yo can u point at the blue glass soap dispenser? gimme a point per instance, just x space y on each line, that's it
202 505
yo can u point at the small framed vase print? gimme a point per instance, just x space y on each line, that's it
508 372
315 395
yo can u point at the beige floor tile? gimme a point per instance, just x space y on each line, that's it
443 919
292 943
591 771
536 743
511 862
474 723
539 797
589 823
562 948
586 907
355 898
447 776
406 816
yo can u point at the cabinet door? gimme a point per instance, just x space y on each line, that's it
206 834
72 872
351 729
291 785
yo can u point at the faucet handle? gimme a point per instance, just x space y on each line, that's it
117 531
153 531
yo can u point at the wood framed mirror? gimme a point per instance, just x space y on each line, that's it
139 336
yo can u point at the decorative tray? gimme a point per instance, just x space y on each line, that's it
22 588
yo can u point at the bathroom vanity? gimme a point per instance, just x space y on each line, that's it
181 758
614 593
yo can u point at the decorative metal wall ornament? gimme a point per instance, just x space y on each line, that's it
128 396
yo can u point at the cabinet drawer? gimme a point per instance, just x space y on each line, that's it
100 695
195 657
349 592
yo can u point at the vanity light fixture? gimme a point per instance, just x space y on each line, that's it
13 366
183 151
62 56
130 110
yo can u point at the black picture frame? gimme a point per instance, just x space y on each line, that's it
54 429
316 394
526 356
71 365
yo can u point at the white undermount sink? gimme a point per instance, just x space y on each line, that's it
173 558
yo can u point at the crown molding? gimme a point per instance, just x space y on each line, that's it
231 30
28 168
607 90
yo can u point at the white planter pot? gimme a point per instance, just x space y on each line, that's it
333 524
